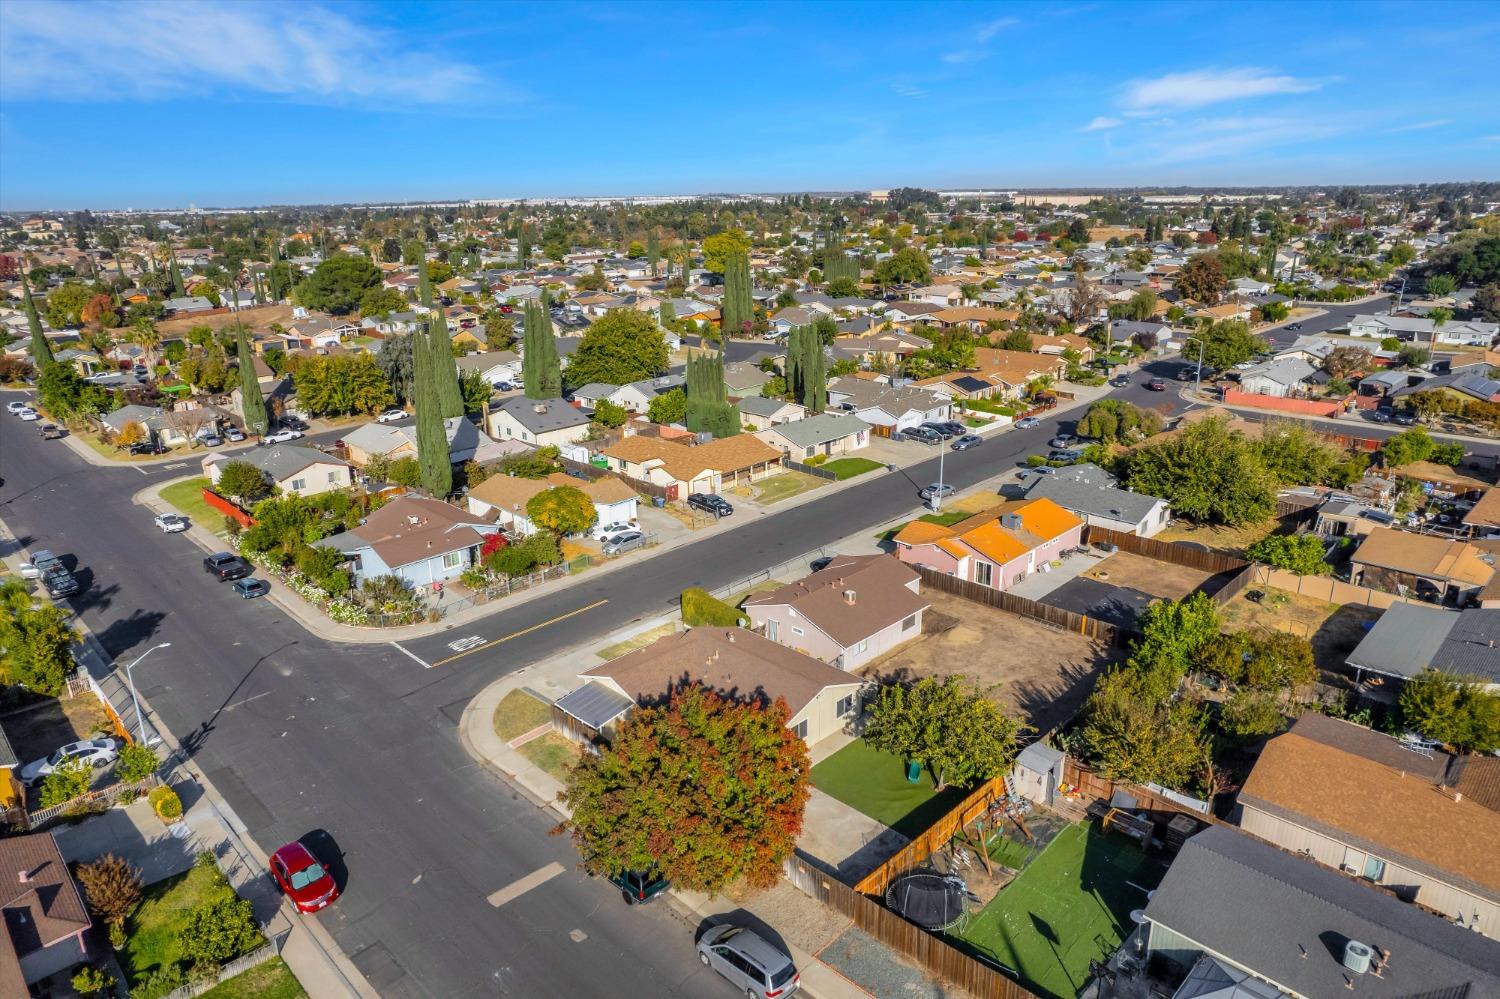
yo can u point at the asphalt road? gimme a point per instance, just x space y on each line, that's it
300 734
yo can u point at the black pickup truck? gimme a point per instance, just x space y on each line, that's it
225 566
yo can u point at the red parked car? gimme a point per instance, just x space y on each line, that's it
302 879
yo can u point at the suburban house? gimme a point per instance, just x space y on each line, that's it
761 413
1282 376
1125 330
1056 344
45 919
942 295
1454 333
493 366
1409 638
854 610
741 378
634 397
422 541
1235 918
393 441
1326 790
1249 286
885 407
997 547
1092 493
541 422
1003 373
161 425
684 469
734 662
1421 565
503 499
911 312
302 471
826 434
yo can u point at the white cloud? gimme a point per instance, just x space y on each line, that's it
1205 87
1101 123
163 50
1423 125
1489 138
990 29
906 90
983 33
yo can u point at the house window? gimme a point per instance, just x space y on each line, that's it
909 623
1374 869
982 573
298 485
800 729
453 560
333 477
798 631
863 645
808 452
772 627
845 705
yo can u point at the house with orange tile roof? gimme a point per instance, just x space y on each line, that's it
997 547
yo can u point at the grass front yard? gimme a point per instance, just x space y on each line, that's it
113 453
784 485
875 784
187 498
848 468
272 980
154 928
1069 905
948 518
518 713
637 641
552 753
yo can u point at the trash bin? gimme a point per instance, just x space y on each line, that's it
658 501
913 772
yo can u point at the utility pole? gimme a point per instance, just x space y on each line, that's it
140 720
1399 295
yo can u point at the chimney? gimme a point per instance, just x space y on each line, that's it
539 408
849 597
25 876
730 636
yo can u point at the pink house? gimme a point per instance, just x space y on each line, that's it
855 609
996 548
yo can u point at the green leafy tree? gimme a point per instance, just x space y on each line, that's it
701 609
609 414
906 266
41 350
380 301
432 434
71 779
1225 344
136 763
1406 447
89 980
707 790
1117 421
1202 278
669 407
1018 340
65 395
35 641
1455 711
1135 737
562 510
66 303
476 392
621 347
499 330
252 403
338 284
718 248
1441 285
404 472
244 482
1299 553
1207 472
343 384
1173 635
395 359
219 929
541 370
956 730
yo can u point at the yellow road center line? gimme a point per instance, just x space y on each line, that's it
523 631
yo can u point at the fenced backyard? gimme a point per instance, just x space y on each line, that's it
1056 617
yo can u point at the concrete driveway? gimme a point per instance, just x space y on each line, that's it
845 842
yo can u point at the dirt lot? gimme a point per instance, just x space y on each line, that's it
1230 540
36 731
1160 579
1044 674
1334 630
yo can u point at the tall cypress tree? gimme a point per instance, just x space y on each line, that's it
541 371
252 403
793 364
653 251
523 246
738 307
432 436
424 285
445 367
708 405
178 288
41 350
815 374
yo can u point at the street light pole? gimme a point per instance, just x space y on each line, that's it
937 496
140 720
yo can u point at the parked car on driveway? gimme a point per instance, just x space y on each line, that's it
710 503
967 441
391 416
941 429
294 423
939 489
749 962
619 544
1027 422
234 435
282 436
148 447
172 523
211 440
302 878
97 753
1064 454
251 588
924 434
226 565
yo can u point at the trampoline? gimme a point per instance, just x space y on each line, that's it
931 900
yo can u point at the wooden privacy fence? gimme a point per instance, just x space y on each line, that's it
1094 786
595 472
1164 551
1056 617
934 838
1235 586
933 954
227 508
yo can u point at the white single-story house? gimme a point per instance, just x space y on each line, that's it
422 541
503 498
538 421
827 434
301 471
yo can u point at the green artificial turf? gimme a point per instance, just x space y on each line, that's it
875 784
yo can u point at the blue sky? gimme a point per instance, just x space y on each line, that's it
147 104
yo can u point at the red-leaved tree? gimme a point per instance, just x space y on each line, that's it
707 790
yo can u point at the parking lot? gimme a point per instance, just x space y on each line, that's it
1044 675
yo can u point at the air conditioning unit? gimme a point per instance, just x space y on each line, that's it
1357 956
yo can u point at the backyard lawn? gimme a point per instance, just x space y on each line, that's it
848 468
272 980
154 927
874 783
187 497
1072 903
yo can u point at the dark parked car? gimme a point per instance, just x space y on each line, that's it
251 588
1064 454
148 447
1405 419
924 434
941 429
1120 381
1381 416
952 426
294 423
640 887
59 582
967 441
226 565
709 503
1157 385
820 563
1293 327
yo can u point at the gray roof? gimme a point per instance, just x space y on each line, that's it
7 755
1092 497
1286 919
1470 646
821 429
1282 370
283 460
595 390
759 405
1405 640
595 704
1039 757
556 414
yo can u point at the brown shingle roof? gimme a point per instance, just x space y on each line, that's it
439 528
725 454
881 596
1369 804
1424 555
48 899
728 660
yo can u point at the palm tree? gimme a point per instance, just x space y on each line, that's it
145 334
